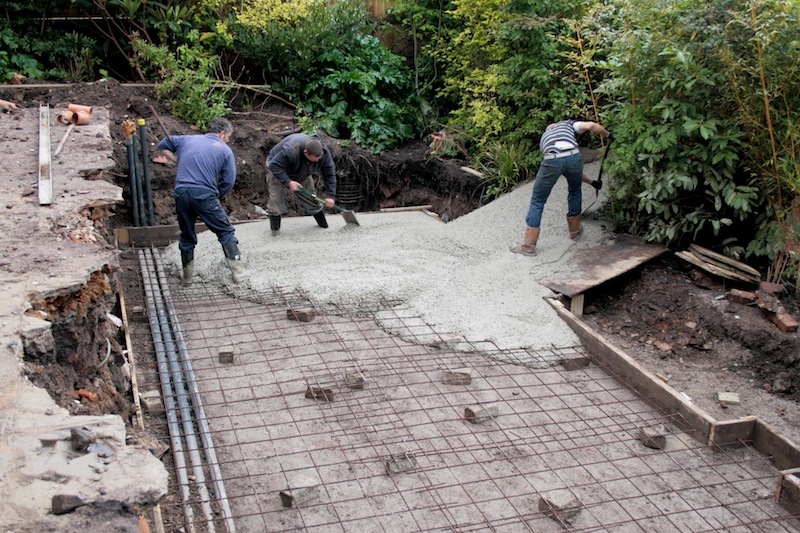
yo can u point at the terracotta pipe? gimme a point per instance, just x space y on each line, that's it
81 117
65 117
77 107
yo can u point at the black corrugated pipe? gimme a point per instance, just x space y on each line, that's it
132 175
146 172
167 392
191 380
137 164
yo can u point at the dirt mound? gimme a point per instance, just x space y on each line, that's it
676 320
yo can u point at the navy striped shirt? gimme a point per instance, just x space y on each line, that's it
560 138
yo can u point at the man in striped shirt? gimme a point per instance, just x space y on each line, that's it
559 144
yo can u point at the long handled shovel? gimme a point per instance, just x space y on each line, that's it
348 215
600 173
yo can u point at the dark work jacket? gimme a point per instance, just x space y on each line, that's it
287 162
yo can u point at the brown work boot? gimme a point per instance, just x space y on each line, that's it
574 225
528 246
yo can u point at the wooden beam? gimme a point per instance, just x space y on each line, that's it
634 375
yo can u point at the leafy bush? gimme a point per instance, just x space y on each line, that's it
342 79
695 156
13 60
70 56
503 166
508 68
188 79
287 54
361 94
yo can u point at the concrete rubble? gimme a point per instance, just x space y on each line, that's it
112 481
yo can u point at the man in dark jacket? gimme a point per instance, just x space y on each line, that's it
206 173
292 164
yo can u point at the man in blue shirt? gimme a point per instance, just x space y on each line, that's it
559 144
206 173
292 164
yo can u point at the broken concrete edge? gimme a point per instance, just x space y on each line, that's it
782 452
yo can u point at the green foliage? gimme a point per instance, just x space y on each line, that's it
431 25
676 154
344 80
260 13
287 54
503 167
13 60
172 22
760 60
71 56
508 68
188 79
361 94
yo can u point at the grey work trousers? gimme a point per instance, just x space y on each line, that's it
276 205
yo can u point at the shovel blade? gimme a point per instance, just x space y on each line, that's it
350 217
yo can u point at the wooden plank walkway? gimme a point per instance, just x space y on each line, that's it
604 263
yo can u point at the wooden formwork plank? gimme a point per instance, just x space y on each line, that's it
784 452
157 235
729 432
634 375
595 266
150 235
788 487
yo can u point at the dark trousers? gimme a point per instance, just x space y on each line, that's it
192 203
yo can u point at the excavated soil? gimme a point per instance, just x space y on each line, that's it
676 321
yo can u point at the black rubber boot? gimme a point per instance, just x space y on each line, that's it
275 224
320 218
187 262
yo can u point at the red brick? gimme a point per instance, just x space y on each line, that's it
741 297
785 322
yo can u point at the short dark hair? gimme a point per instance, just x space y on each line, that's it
314 147
220 124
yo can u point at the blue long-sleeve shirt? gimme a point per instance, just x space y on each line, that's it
287 162
204 161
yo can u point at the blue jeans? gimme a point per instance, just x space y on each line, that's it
571 167
192 203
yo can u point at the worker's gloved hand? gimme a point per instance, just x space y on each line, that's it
610 136
597 184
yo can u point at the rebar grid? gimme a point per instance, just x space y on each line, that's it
399 454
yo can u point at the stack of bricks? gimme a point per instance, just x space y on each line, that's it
765 298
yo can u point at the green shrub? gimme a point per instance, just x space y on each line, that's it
13 60
503 167
188 79
362 94
341 78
